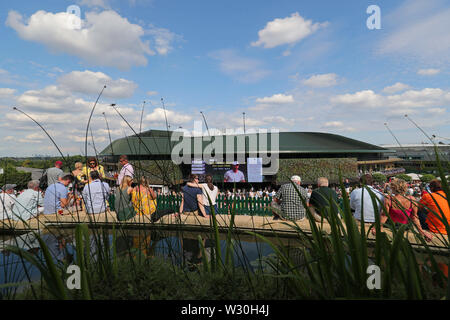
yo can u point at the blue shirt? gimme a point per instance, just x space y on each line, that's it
53 195
95 195
358 197
26 205
190 198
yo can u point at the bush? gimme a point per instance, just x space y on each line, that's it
404 177
427 178
379 177
12 176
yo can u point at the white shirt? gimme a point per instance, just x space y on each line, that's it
6 205
231 176
212 194
357 197
127 170
27 205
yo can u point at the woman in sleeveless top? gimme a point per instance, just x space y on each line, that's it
144 198
123 205
401 207
79 182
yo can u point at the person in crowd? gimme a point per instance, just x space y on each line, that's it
93 165
122 203
95 194
288 197
410 190
309 192
29 203
362 195
347 186
80 179
234 175
57 195
7 201
79 182
436 207
209 190
323 199
401 207
54 173
192 199
126 170
144 198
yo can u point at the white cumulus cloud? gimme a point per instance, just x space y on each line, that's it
396 88
158 115
104 38
425 98
7 92
428 72
321 80
288 30
276 99
89 82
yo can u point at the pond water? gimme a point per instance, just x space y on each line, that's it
183 248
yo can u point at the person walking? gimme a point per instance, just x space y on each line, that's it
54 173
126 170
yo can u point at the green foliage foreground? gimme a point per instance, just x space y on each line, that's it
322 265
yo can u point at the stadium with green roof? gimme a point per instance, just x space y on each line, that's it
309 154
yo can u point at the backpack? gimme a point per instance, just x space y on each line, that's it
43 181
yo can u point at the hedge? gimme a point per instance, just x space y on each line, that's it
311 169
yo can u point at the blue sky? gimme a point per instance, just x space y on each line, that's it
289 65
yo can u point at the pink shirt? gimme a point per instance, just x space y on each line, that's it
399 215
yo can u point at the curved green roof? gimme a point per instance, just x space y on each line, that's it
158 142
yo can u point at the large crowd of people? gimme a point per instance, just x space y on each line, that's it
397 201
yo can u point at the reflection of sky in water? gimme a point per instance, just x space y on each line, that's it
243 252
13 269
178 249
